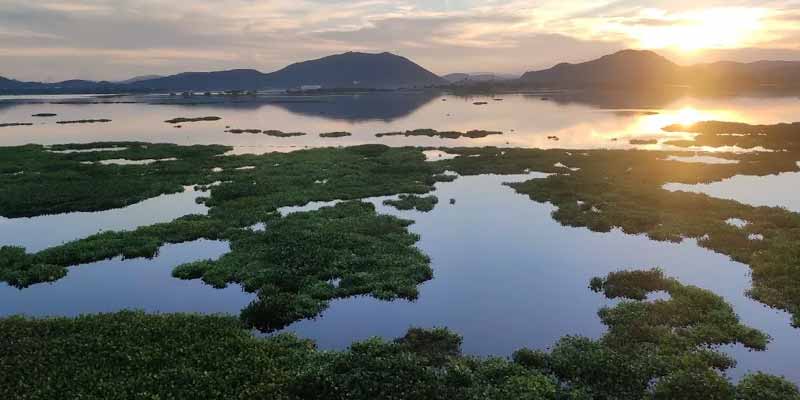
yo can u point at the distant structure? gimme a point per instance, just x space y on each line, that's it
305 88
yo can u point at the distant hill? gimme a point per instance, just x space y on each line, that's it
140 78
7 84
624 68
384 70
348 70
643 68
235 79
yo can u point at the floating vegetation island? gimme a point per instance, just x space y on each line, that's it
276 133
181 120
84 121
413 202
473 134
643 141
239 131
334 134
10 124
44 115
269 132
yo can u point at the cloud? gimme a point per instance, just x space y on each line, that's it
115 39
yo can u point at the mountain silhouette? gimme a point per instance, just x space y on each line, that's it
624 68
348 70
645 69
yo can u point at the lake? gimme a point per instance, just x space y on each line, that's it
506 275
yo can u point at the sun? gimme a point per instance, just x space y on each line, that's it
716 28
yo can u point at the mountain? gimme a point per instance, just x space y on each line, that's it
68 86
756 74
359 70
644 69
348 70
624 68
235 79
140 78
7 84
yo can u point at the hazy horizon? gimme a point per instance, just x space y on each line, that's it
55 40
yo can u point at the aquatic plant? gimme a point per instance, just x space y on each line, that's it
180 120
643 141
64 182
290 265
84 121
409 202
277 133
719 133
473 134
10 124
371 254
133 354
44 115
238 131
334 134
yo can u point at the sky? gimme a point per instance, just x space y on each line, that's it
52 40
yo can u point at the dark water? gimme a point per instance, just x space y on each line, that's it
506 275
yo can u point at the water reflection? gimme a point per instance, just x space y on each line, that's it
506 275
779 190
117 284
526 120
41 232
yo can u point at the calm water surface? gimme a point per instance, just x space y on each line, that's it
526 120
506 275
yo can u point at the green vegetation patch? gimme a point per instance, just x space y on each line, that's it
84 121
473 134
180 120
719 133
295 267
276 133
137 355
413 202
10 124
662 349
240 131
301 261
55 182
334 134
